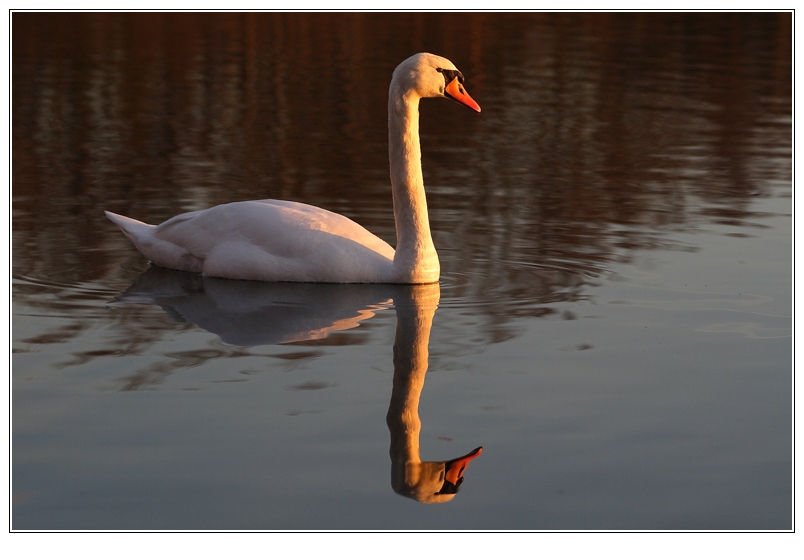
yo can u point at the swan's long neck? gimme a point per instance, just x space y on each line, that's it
416 260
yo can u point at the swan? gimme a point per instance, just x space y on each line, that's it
275 240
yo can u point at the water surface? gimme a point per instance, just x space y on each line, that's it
613 324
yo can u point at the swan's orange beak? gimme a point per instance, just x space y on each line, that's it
455 468
456 91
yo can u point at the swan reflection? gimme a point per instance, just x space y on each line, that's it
424 481
249 313
256 313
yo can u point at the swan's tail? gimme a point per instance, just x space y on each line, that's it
158 251
135 230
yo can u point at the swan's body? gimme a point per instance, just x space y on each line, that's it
272 240
277 240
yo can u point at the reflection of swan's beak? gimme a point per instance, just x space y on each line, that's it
453 476
456 91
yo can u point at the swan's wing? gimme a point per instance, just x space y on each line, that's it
278 240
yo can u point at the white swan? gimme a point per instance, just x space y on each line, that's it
277 240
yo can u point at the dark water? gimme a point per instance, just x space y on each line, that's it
614 319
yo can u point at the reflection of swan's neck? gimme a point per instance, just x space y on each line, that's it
410 368
415 252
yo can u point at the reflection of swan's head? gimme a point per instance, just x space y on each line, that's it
429 75
431 482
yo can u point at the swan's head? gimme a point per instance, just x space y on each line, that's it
429 75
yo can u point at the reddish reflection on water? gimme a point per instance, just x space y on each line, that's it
603 133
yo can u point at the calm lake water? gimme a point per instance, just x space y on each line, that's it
613 324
